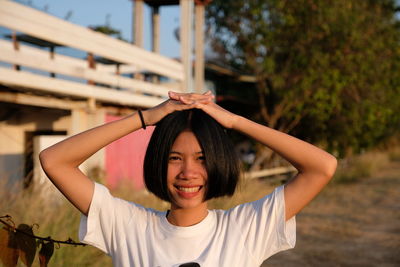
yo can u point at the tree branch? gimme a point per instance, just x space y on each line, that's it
69 241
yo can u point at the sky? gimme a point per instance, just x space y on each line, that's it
118 13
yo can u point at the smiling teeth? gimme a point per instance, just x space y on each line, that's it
189 189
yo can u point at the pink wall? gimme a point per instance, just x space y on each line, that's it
124 157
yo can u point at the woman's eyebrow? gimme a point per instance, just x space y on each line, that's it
179 153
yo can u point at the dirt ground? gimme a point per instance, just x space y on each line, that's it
355 224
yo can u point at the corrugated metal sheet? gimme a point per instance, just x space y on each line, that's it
124 157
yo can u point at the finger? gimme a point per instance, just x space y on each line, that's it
207 94
173 95
210 94
185 100
197 97
190 100
205 100
180 106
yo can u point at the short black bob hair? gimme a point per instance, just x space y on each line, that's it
221 161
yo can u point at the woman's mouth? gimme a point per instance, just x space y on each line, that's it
188 191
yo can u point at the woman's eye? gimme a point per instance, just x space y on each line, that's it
202 158
173 158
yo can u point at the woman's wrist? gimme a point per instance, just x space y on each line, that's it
141 117
235 121
145 115
151 116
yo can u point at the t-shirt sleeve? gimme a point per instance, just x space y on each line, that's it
107 220
264 228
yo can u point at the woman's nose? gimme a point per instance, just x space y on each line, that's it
189 170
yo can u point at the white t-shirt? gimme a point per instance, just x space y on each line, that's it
132 235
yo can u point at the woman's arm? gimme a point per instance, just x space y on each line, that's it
315 166
61 161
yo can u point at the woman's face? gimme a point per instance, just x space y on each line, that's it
187 175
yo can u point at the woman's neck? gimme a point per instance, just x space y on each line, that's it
187 217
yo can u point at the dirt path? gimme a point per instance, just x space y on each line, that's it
350 225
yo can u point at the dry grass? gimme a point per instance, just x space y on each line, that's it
353 169
57 219
349 224
394 154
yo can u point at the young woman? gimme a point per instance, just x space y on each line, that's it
189 160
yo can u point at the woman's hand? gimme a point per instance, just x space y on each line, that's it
205 103
175 103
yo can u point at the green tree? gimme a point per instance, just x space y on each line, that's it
327 71
108 30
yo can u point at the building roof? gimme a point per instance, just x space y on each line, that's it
173 2
161 2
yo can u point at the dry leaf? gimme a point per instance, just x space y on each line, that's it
8 247
26 244
45 253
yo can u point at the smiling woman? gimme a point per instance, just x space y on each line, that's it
189 160
187 178
192 158
222 163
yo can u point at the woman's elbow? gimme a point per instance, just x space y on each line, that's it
45 159
330 167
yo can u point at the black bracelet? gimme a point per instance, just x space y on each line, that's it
141 118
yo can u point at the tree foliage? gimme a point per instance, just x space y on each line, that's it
327 71
108 30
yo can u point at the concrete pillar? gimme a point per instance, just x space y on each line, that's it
155 30
199 48
138 29
79 121
155 18
186 35
138 23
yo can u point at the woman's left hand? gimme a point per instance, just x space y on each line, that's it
222 116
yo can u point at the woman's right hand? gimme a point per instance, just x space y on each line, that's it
155 114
